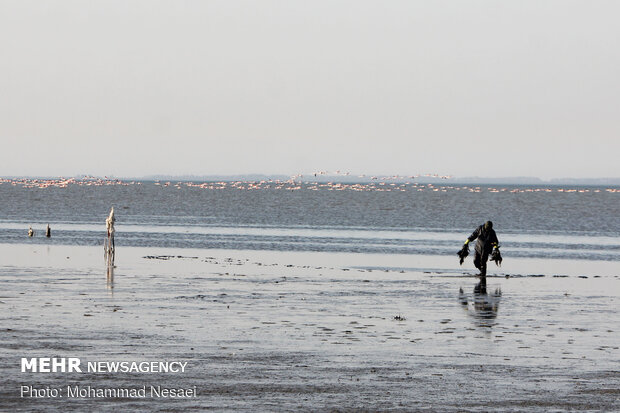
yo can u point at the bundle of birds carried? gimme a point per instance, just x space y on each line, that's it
496 256
463 253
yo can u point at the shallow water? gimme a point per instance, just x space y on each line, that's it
316 331
379 218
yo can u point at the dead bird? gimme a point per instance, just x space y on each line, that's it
496 256
463 253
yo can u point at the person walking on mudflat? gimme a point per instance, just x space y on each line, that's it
487 244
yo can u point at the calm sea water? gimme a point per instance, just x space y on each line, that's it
384 218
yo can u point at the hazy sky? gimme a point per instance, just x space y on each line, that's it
486 88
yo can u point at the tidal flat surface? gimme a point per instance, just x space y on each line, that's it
273 330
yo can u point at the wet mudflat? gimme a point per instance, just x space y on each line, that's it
311 331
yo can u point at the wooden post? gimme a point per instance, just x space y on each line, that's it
110 276
109 242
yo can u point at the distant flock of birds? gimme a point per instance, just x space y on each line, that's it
380 184
293 184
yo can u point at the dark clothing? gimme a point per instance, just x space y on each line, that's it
487 239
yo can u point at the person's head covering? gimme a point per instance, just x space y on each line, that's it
488 225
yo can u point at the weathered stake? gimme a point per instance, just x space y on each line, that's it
108 246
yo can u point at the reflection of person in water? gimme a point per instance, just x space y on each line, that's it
482 305
487 243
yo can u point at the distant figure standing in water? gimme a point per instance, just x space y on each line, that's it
487 244
30 232
48 231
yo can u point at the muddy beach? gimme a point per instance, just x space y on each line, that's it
310 331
